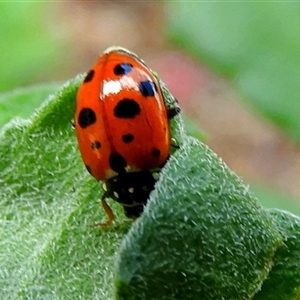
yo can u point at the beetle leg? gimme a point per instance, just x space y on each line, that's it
109 213
172 112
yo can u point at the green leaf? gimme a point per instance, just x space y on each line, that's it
254 44
21 102
48 202
283 282
202 235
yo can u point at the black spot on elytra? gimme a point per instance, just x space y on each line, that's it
122 69
89 77
155 152
147 88
96 145
133 55
86 117
127 108
127 138
117 162
88 169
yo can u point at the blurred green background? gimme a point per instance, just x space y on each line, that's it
235 68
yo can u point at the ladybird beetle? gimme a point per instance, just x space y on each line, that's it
122 128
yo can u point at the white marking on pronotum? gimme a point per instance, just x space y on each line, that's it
115 86
155 175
